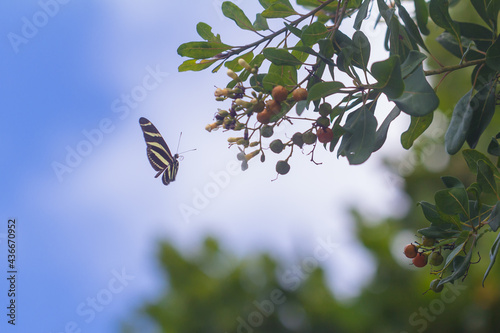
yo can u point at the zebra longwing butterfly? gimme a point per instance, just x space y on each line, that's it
159 155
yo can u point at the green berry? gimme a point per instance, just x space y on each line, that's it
323 122
297 139
309 138
282 167
434 286
277 146
266 131
435 259
325 109
427 241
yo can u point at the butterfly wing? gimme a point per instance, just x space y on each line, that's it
159 154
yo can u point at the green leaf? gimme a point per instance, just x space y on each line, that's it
412 62
361 48
438 10
459 246
435 216
481 35
230 10
294 30
381 134
202 50
485 178
288 74
452 201
451 182
480 7
472 157
388 75
205 32
459 124
301 106
483 106
313 33
361 15
410 26
233 64
260 23
278 10
417 126
359 139
437 232
194 65
460 267
323 89
494 220
418 98
493 55
449 42
494 147
280 57
422 14
493 256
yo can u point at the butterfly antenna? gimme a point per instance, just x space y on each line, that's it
178 143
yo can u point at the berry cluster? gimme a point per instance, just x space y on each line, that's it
426 252
270 109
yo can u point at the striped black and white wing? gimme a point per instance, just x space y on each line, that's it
159 155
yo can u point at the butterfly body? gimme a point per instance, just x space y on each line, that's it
159 154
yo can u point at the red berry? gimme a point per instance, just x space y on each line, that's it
273 106
299 94
279 93
325 135
410 251
264 117
420 260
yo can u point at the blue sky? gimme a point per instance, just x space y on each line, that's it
92 231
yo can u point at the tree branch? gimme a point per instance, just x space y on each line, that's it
454 67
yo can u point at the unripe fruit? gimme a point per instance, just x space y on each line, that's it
434 286
273 106
325 135
297 139
309 138
258 107
428 242
282 167
266 131
420 260
279 93
277 146
410 251
264 117
435 259
323 121
299 94
325 109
